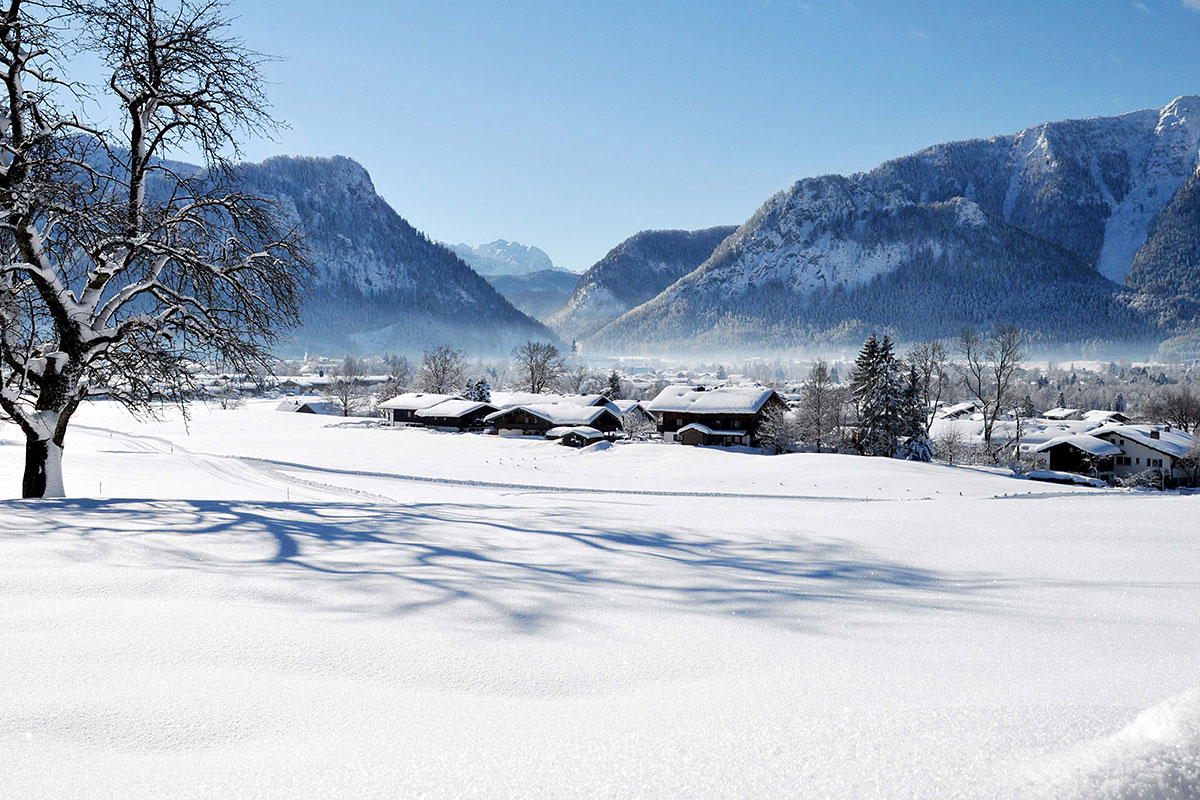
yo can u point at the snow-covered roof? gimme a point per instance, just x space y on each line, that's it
1097 415
1066 477
697 400
1060 413
1173 442
625 406
586 431
696 426
414 401
1084 442
958 409
557 413
452 408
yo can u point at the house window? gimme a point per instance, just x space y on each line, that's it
1138 460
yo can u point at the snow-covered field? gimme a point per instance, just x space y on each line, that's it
278 605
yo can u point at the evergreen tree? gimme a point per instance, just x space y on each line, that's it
878 397
613 390
913 421
480 391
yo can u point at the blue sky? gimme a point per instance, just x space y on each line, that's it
572 125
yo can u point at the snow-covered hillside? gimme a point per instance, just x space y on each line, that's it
263 604
631 273
1041 203
380 285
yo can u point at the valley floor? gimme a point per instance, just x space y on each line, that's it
262 604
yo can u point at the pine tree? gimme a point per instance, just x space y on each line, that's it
479 391
878 397
613 390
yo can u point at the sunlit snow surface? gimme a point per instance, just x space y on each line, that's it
347 611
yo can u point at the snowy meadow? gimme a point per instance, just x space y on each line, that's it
260 604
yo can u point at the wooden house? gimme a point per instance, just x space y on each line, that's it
537 419
402 409
726 416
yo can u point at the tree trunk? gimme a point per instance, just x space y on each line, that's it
43 469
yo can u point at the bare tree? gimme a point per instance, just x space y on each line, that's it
779 430
932 362
575 379
399 377
443 370
539 365
1178 406
637 426
990 361
347 390
119 271
950 444
821 411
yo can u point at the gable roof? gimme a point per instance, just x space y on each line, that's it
1096 415
697 400
1174 442
453 408
1084 442
586 431
1060 413
559 413
414 401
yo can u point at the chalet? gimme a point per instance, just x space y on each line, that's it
958 411
1144 448
402 409
576 436
696 415
635 408
513 399
455 414
1063 414
1115 451
1106 417
537 419
309 407
1079 453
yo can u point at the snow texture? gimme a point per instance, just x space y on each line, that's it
274 606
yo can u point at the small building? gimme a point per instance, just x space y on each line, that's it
455 414
1116 451
309 406
1063 414
731 415
402 409
1149 448
958 411
1079 453
576 436
696 434
635 408
1106 417
537 419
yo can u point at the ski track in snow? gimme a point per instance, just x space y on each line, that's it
261 470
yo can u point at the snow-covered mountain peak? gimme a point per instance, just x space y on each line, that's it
502 257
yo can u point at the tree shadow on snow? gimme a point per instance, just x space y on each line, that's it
523 568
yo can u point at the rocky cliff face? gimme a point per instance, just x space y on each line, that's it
1037 228
380 284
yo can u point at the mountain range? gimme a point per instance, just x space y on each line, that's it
379 284
1079 231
